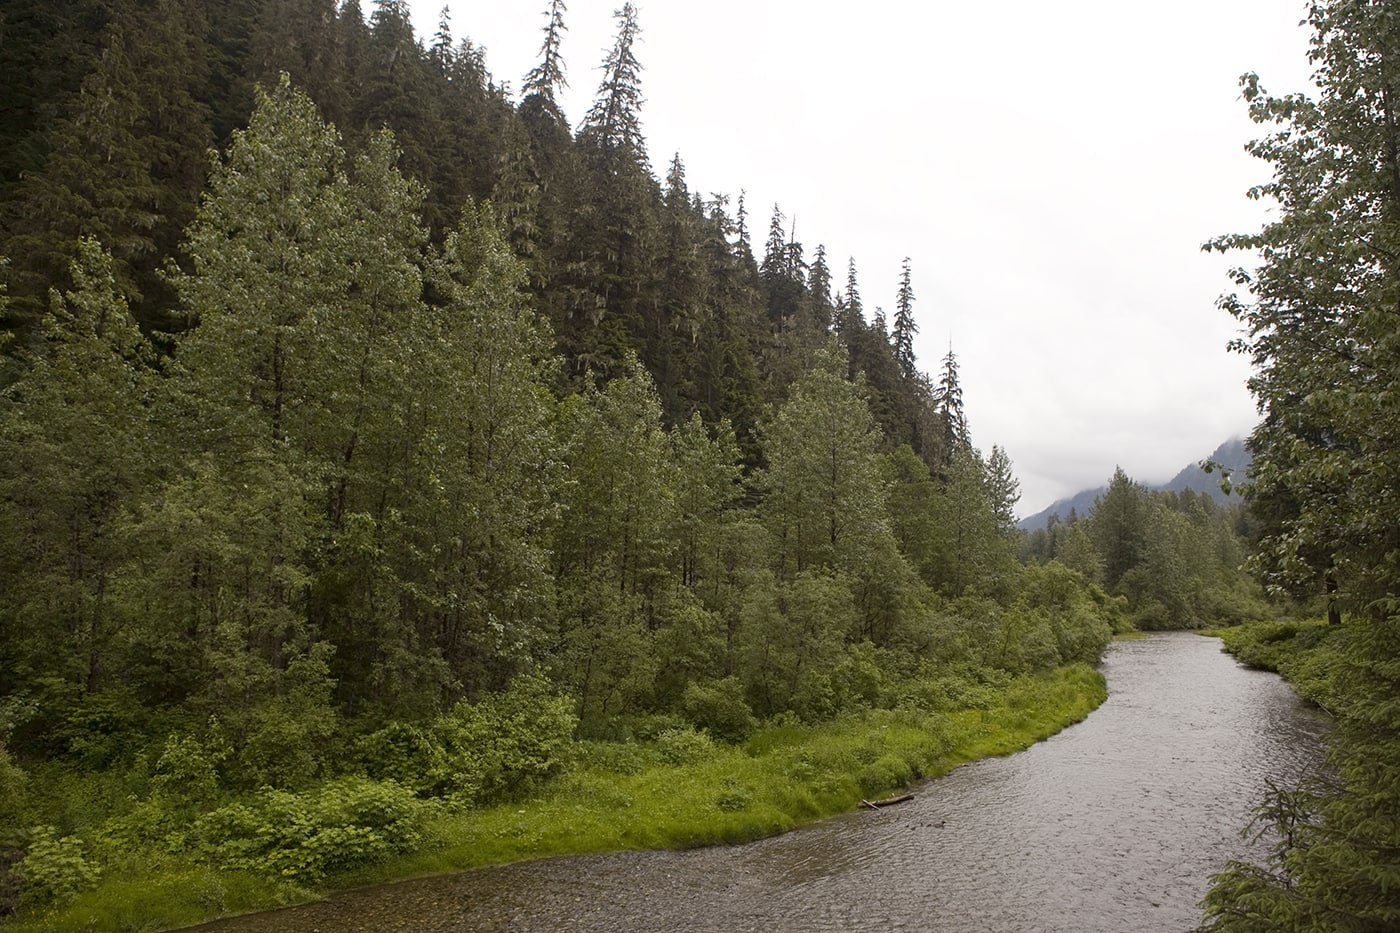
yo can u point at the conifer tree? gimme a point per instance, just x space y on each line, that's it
905 327
400 91
441 53
742 244
774 267
678 320
298 38
547 79
819 291
1003 489
1118 526
539 109
613 124
948 399
850 315
724 372
609 236
517 197
125 166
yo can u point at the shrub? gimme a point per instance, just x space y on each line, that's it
186 772
886 772
13 782
505 740
718 707
96 730
734 798
683 745
303 837
407 755
54 869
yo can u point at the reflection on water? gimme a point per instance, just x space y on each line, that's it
1113 825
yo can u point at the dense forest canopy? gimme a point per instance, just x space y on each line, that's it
357 418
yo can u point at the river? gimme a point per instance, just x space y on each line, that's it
1113 825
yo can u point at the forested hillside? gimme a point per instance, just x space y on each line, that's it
1177 559
375 460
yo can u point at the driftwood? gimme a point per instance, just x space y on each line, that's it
877 804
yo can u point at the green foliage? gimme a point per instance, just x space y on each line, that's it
824 492
186 775
506 742
408 755
304 837
344 497
74 447
13 789
1319 325
1309 655
791 640
1175 559
684 745
1079 614
53 868
286 741
718 707
887 772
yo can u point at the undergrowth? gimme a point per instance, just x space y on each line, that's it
678 789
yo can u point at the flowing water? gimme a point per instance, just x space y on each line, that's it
1113 825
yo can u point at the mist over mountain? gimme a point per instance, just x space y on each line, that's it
1232 455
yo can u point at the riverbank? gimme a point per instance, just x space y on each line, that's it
679 791
1304 653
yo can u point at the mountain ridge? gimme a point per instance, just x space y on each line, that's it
1232 455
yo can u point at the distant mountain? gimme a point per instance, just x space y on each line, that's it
1232 455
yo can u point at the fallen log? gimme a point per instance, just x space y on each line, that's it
877 804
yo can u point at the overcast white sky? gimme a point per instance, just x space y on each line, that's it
1051 170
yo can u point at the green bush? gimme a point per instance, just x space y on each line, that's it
734 798
13 783
859 679
684 745
887 772
303 837
617 757
406 754
54 869
506 740
718 707
186 772
92 730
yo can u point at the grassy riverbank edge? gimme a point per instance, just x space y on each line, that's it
1305 653
623 797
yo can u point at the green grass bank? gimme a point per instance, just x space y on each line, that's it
1305 653
678 790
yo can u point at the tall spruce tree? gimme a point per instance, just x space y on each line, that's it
547 79
905 327
948 400
613 123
